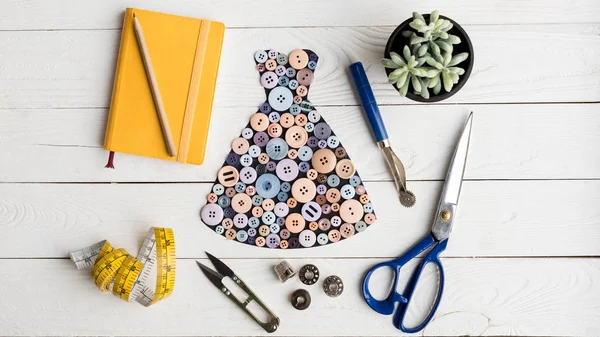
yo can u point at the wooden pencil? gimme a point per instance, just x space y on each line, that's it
160 109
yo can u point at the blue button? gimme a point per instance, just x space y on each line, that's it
252 231
280 98
306 106
257 200
246 160
242 236
368 208
253 222
322 130
313 57
312 65
284 81
293 84
271 166
268 218
321 189
232 159
312 141
254 151
219 229
286 187
333 142
251 239
240 187
305 153
218 189
282 196
280 221
265 108
282 59
295 109
224 201
309 127
280 71
260 56
274 228
228 212
290 72
322 144
347 191
355 181
274 117
277 148
304 167
247 133
267 185
333 180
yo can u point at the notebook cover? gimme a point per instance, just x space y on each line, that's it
185 54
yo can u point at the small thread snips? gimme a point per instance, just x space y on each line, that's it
367 98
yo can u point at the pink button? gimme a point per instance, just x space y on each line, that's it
305 76
269 79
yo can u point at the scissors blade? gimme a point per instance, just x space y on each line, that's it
220 266
442 225
212 275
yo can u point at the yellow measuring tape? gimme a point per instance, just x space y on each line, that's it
114 270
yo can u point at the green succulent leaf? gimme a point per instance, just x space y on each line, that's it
427 35
406 53
454 77
422 50
444 46
432 62
417 24
456 70
412 63
415 39
442 34
404 88
446 26
407 33
437 88
397 59
448 84
452 39
424 91
420 61
389 63
447 59
439 58
435 15
396 73
434 81
420 72
458 59
418 16
434 48
402 79
431 72
439 23
415 48
415 83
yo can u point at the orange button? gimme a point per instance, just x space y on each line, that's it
345 169
351 211
333 195
227 223
257 211
297 99
259 122
321 200
323 160
291 202
264 230
230 234
295 223
241 203
286 120
228 176
313 226
292 154
370 218
275 130
301 91
364 199
304 190
212 198
335 207
283 244
347 230
296 137
250 190
334 235
260 241
268 205
298 59
240 145
271 64
263 158
312 174
301 120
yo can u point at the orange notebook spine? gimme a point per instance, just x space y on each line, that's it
125 35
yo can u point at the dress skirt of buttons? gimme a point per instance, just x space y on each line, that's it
287 182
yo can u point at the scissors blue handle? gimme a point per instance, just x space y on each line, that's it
386 306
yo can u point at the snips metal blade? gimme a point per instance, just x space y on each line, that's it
220 266
444 218
213 276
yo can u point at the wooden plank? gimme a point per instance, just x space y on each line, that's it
73 14
482 297
495 218
74 69
508 142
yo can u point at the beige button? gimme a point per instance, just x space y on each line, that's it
298 59
291 202
227 223
304 190
334 235
230 234
264 230
296 136
297 99
250 190
268 205
345 169
275 130
351 211
323 160
228 176
230 192
364 199
321 200
257 211
260 241
212 198
370 218
321 178
259 122
286 120
313 226
295 223
283 244
333 195
335 207
347 230
240 145
292 154
241 203
324 224
301 120
263 158
312 174
271 64
301 91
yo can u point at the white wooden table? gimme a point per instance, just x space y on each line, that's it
524 258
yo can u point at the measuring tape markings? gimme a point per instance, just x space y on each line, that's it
114 270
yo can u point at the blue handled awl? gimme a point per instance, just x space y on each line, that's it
371 109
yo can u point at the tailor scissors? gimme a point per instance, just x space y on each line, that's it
436 242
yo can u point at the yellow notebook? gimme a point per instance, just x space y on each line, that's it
185 54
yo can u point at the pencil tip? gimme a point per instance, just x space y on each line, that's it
134 15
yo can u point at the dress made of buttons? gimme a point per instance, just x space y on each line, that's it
288 182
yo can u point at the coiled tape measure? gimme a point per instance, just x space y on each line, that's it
114 270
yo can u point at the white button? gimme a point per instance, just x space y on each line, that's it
280 98
307 238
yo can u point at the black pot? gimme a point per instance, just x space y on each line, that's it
397 42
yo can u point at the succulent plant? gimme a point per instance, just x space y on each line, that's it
430 44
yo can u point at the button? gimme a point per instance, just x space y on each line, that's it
370 218
306 106
321 178
260 67
291 202
240 187
368 208
333 142
275 130
284 234
311 211
232 159
364 199
290 72
313 226
298 59
260 241
335 207
280 99
240 220
321 189
259 122
252 232
300 299
280 222
230 234
281 209
240 145
351 211
287 170
322 130
360 190
250 190
295 109
271 166
267 185
260 56
220 230
268 204
360 226
309 127
212 198
292 154
301 120
212 214
280 71
286 187
273 54
323 161
224 201
283 244
340 153
287 120
321 199
268 218
230 192
313 57
241 203
282 196
333 286
336 221
345 169
324 224
265 108
282 59
228 176
304 190
251 239
246 160
333 180
305 77
253 222
269 80
254 151
295 223
242 236
296 136
274 228
312 141
347 191
347 230
273 240
264 230
322 144
314 116
228 212
260 139
312 174
307 238
334 235
263 158
293 243
218 189
355 180
270 64
302 91
257 211
333 195
248 175
274 117
277 148
305 153
293 84
312 65
283 81
298 100
322 239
